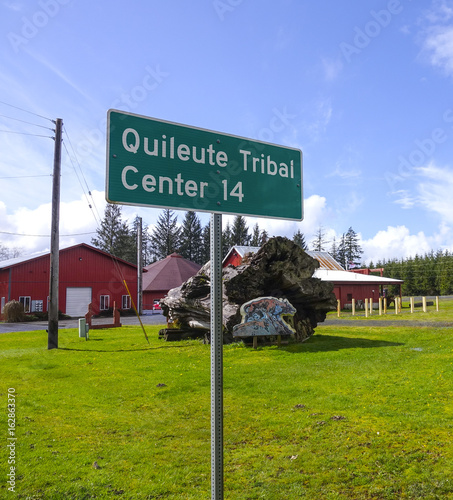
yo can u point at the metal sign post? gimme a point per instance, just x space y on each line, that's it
216 359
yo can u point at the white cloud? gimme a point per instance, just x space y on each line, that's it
31 227
435 191
395 242
344 173
14 6
59 73
404 199
315 212
441 11
439 46
322 115
332 68
437 36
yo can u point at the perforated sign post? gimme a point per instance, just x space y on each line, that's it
162 164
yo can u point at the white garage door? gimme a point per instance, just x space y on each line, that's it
77 301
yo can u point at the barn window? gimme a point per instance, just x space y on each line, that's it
104 302
349 297
26 302
125 302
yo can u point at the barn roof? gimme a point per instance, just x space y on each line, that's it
168 273
329 269
241 251
5 264
326 261
347 277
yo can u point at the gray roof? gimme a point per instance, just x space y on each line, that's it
330 269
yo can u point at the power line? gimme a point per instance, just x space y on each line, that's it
26 176
29 123
45 235
25 133
26 111
75 156
95 211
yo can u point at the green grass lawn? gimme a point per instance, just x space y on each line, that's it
357 412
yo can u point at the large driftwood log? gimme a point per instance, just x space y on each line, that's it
279 269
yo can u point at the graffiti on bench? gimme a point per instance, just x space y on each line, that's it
265 316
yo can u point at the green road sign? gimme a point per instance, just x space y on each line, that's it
162 164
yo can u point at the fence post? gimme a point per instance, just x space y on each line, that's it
371 306
380 306
353 307
437 304
424 304
412 300
396 304
338 308
385 305
366 308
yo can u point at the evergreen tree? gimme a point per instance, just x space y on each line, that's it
114 236
264 237
333 249
240 232
349 249
255 240
299 239
205 255
341 252
148 253
165 235
227 239
445 275
319 242
191 238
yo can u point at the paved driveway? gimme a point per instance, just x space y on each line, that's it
147 319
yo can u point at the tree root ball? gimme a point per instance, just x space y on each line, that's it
279 269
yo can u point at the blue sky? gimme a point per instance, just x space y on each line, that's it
364 89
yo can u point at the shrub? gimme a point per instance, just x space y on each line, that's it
13 312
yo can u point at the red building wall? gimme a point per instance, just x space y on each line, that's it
150 297
234 259
346 292
79 266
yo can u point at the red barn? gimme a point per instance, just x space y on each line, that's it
236 254
87 275
348 285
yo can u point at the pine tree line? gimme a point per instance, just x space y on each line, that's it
431 274
192 241
189 239
347 251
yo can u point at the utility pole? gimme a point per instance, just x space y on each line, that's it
52 331
139 267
